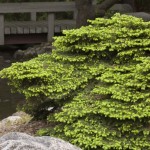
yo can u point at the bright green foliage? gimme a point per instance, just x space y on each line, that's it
99 78
43 80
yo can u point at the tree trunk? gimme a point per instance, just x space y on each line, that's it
87 11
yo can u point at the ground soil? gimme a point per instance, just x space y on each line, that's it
31 128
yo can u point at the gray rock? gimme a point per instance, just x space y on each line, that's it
145 16
7 61
19 54
31 52
15 120
121 8
22 141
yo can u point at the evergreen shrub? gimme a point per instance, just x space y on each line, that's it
98 81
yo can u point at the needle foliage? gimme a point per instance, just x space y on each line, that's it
98 79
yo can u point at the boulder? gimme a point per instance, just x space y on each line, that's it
15 120
22 141
121 8
145 16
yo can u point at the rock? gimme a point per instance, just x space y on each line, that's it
31 52
14 120
145 16
18 54
24 116
10 121
121 8
7 61
22 141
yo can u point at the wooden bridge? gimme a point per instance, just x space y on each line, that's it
33 31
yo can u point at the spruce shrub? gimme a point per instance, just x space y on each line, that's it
98 81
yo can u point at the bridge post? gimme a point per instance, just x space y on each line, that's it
51 26
1 29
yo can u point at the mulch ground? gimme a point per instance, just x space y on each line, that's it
31 128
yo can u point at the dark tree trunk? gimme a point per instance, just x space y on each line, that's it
87 11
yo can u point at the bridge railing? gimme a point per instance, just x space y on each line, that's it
33 8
